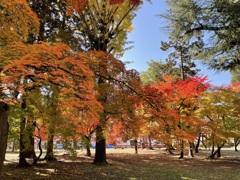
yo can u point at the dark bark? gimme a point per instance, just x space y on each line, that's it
198 143
4 127
36 159
88 150
181 150
30 150
236 143
88 146
203 143
217 152
136 146
191 147
22 156
212 148
49 154
100 153
169 148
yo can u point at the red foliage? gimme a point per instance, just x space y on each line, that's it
171 104
78 5
115 2
135 2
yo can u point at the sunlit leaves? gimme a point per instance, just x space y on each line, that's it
170 105
17 21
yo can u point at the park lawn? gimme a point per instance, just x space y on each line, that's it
124 164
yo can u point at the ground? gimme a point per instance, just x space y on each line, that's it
124 164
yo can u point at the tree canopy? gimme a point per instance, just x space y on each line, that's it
212 25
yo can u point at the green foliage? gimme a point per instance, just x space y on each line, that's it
219 110
157 69
212 25
235 73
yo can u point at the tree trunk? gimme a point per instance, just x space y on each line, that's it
136 146
212 148
13 145
191 147
36 159
236 143
88 146
30 150
100 153
198 143
218 152
150 143
22 156
181 150
4 127
203 143
49 154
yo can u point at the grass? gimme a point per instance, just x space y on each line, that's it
124 164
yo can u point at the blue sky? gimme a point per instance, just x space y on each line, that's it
147 36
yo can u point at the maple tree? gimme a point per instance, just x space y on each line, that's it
55 64
103 27
219 111
17 21
115 87
100 25
170 107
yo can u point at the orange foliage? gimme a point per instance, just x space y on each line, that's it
56 65
78 5
169 105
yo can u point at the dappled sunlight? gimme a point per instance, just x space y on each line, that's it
126 165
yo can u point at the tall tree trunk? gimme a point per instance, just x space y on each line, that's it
150 143
136 146
169 149
37 158
191 147
100 153
236 143
203 143
4 127
30 150
49 154
198 143
212 148
22 156
181 149
88 146
13 144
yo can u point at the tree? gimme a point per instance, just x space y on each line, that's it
219 111
182 57
17 21
213 25
170 106
98 25
115 86
156 70
56 65
235 74
103 27
4 109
